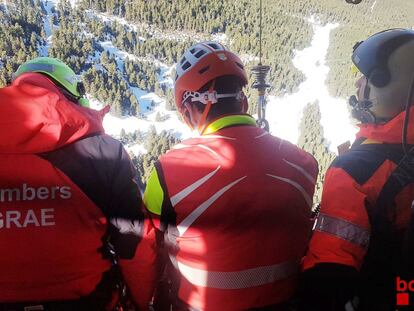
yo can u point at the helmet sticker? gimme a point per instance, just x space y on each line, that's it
222 56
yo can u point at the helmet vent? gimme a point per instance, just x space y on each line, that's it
214 46
183 60
203 70
34 67
192 51
186 65
200 53
240 65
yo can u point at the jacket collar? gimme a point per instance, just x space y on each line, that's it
229 120
390 132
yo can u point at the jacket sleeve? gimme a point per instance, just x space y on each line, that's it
131 233
342 229
338 245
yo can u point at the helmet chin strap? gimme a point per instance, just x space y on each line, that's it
201 124
208 98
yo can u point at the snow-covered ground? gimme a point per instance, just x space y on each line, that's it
151 30
114 125
284 113
373 5
47 25
6 9
157 33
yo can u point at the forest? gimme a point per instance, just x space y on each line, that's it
153 34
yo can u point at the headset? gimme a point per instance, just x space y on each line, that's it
371 58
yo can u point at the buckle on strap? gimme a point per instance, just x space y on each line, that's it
209 96
34 308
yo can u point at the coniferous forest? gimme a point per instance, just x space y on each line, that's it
153 35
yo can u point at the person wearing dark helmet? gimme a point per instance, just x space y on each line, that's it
359 253
233 205
69 203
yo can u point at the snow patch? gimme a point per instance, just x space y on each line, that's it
47 25
114 125
285 113
220 37
373 5
248 58
136 149
5 6
151 31
164 77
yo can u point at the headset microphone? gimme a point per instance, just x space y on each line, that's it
360 110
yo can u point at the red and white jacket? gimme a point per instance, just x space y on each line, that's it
234 206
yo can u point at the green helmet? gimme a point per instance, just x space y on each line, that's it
59 72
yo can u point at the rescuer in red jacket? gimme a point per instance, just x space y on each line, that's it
232 205
67 195
360 255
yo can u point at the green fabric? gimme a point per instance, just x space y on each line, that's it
154 194
228 121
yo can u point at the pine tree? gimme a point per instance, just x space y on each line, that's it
311 139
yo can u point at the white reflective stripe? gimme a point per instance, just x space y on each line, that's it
281 143
343 229
127 226
261 135
214 136
188 190
183 146
188 221
239 279
301 170
305 195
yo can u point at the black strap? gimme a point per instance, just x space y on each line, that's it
387 243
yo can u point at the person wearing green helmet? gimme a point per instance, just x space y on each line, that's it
61 74
71 223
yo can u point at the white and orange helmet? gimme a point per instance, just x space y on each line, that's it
200 64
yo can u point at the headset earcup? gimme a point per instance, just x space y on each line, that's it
379 77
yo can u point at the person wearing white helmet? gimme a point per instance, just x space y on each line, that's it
232 206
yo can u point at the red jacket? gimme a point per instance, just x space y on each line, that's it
64 186
234 205
365 210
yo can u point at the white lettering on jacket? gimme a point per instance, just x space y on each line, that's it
44 217
27 193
